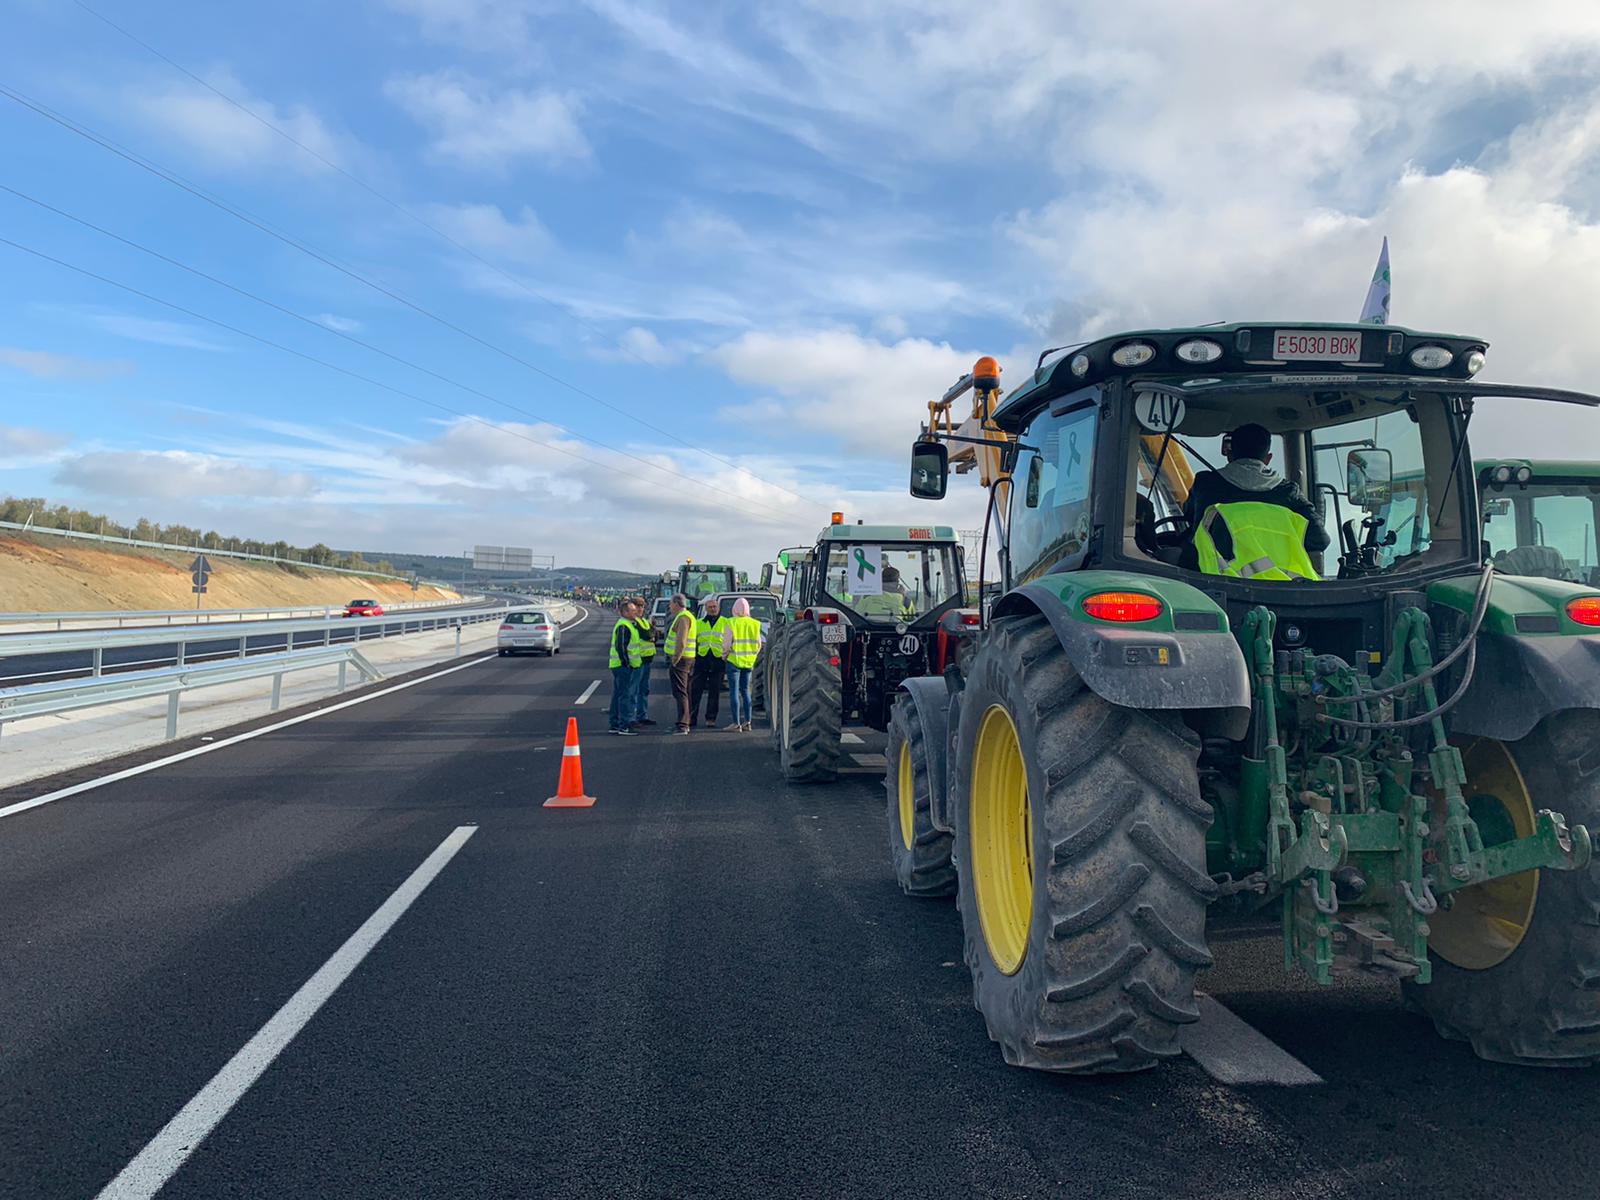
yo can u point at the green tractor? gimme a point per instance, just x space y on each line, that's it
700 580
1368 749
865 609
1540 517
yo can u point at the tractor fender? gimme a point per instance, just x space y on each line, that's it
1199 671
930 707
1519 681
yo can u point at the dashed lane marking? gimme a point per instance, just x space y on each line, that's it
150 1169
1235 1053
587 692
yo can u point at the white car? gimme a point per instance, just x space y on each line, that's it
529 630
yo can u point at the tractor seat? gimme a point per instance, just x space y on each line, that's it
1539 562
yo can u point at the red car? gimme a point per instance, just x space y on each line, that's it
363 608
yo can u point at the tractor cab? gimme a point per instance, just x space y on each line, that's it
1540 518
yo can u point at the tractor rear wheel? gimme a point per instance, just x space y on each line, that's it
1081 837
919 851
772 676
1516 961
813 704
758 685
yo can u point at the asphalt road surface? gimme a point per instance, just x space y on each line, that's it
706 985
18 669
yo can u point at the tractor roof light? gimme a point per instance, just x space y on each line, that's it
1585 610
1079 365
1133 354
837 519
1431 358
986 374
1501 474
1524 474
1123 607
1198 350
1473 362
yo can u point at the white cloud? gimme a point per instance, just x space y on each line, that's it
233 140
485 25
482 128
339 324
638 344
866 393
43 364
484 228
175 475
19 444
139 329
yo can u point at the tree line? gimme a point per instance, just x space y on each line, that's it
19 509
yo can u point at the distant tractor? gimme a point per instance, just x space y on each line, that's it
1176 717
698 581
867 608
1540 517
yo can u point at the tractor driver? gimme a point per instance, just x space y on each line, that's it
894 601
1247 520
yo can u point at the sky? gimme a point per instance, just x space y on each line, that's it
628 282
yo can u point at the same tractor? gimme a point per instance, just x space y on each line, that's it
862 611
1540 517
1390 753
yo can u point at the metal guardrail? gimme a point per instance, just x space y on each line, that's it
97 641
202 616
70 695
84 535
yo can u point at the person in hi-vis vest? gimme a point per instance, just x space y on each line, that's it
741 644
682 651
1247 520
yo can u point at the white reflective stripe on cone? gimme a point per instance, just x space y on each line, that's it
569 752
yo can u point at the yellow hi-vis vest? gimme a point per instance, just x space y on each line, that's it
708 634
633 643
1269 542
647 645
681 634
746 642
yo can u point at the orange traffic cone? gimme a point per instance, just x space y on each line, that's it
569 792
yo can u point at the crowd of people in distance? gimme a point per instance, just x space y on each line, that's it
701 652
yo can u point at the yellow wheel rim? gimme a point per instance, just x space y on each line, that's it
908 797
1489 920
1002 840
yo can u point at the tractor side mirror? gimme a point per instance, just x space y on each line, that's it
766 576
1369 478
930 470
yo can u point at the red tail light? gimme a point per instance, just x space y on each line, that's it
1122 607
507 628
543 628
827 618
968 618
1585 610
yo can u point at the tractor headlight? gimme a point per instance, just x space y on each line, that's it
1431 358
1473 362
1198 350
1501 474
1133 354
1079 365
1524 473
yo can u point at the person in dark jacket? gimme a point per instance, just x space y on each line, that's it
1249 477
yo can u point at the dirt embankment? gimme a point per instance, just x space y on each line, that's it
39 573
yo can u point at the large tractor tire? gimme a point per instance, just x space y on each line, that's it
758 686
772 678
1081 843
1516 961
920 852
812 717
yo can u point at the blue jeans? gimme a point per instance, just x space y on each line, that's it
739 694
624 682
642 708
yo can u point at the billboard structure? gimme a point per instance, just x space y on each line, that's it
504 558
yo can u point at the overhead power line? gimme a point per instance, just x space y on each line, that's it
331 366
424 223
366 345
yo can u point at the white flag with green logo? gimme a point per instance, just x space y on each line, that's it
864 570
1375 311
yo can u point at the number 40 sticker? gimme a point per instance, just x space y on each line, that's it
1159 412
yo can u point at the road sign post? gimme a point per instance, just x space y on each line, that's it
199 575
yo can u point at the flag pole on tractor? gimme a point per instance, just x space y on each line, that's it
1375 310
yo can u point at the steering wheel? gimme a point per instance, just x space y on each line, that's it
1176 520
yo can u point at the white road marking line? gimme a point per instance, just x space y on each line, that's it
587 692
851 739
1235 1053
153 1166
871 760
79 788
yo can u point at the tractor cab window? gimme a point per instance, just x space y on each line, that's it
699 582
1546 530
1406 444
889 583
1050 491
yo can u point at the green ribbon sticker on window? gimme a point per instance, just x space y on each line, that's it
862 565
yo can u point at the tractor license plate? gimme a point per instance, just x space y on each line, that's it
1311 345
835 633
